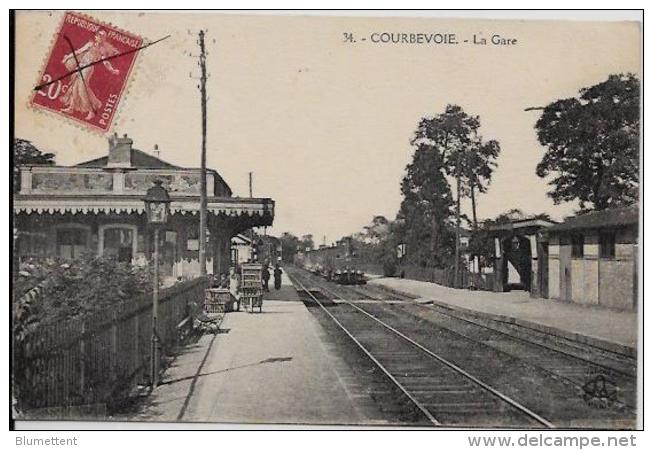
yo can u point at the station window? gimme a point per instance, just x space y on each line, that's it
577 244
607 244
32 245
118 243
71 242
193 239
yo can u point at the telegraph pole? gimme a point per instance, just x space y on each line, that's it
458 189
203 206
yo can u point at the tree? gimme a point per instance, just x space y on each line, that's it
289 246
427 205
307 242
377 231
463 155
478 166
26 153
371 241
592 145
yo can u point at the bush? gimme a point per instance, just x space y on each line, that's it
389 267
74 289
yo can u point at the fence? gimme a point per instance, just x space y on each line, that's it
444 277
97 360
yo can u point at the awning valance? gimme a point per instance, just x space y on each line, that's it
116 205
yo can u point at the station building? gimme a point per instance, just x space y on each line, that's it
593 259
589 259
96 207
241 249
521 248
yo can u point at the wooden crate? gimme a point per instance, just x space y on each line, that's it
217 300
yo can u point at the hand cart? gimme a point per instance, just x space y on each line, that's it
251 287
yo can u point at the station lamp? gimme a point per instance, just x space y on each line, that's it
157 208
157 204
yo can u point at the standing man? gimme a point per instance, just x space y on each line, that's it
277 276
266 278
234 287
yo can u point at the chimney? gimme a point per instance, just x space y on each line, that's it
120 151
156 151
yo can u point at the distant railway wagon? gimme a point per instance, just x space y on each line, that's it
338 263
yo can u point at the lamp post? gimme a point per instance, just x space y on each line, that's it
157 208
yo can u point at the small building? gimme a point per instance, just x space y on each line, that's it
241 249
521 248
465 237
593 258
96 207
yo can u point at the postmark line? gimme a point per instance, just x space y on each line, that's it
81 74
79 69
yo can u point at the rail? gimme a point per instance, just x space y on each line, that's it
466 375
560 374
385 371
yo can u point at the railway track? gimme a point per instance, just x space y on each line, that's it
549 379
570 363
444 393
608 360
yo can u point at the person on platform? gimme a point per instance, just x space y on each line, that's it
277 276
266 277
224 281
234 287
214 281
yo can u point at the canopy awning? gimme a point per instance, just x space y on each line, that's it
122 204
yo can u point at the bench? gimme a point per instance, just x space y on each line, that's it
184 329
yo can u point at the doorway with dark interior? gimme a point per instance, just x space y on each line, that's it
517 263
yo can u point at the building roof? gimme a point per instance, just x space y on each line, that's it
143 160
464 232
616 217
241 239
139 160
122 155
522 223
270 238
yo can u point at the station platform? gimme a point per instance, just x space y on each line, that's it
287 292
261 368
604 328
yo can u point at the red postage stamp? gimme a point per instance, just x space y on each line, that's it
87 71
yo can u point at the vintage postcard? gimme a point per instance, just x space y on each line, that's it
342 220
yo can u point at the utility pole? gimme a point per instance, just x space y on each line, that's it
476 265
251 192
203 202
457 261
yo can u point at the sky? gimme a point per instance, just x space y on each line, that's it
324 124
